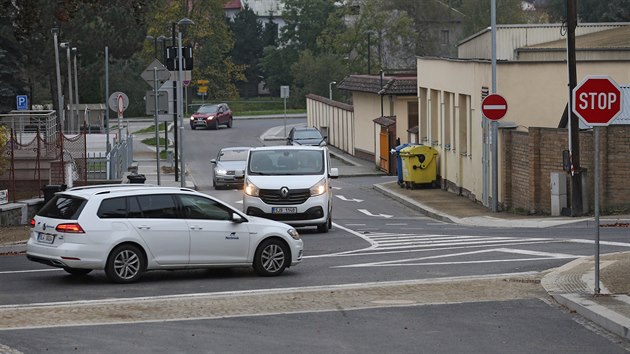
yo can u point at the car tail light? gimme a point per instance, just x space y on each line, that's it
32 223
73 228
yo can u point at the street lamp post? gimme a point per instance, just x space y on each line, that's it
76 84
183 22
330 89
66 45
162 40
60 112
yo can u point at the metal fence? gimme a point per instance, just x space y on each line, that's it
38 154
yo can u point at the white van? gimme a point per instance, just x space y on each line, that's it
290 184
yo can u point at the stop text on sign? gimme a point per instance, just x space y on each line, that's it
597 100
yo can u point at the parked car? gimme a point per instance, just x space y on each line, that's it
305 136
211 116
128 229
229 167
290 184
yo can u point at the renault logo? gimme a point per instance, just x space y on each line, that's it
284 192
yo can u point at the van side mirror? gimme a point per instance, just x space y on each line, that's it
334 172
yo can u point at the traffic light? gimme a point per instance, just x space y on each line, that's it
172 61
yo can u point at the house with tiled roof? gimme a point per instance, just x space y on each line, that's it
383 108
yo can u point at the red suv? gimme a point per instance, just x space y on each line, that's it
211 116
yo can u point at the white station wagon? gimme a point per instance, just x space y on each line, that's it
128 229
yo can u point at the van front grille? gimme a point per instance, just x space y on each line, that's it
274 197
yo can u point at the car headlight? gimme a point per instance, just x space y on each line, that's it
319 188
220 171
210 118
294 234
251 189
192 118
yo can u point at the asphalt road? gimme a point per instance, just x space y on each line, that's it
385 279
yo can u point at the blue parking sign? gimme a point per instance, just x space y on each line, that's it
22 102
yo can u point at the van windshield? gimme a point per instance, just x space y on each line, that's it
286 162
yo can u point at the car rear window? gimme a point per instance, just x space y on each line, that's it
63 207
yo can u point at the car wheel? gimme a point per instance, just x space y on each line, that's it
77 271
193 127
271 258
125 264
229 123
214 126
323 228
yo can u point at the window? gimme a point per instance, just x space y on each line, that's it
113 208
63 207
160 206
444 34
196 207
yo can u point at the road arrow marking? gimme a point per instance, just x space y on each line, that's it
364 211
348 200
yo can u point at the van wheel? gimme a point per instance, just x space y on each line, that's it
271 258
77 271
323 228
125 264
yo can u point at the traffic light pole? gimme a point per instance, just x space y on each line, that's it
175 115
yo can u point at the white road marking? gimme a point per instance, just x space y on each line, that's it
348 200
31 271
364 211
417 261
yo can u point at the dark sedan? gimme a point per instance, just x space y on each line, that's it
306 136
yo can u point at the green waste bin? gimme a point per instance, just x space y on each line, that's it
419 166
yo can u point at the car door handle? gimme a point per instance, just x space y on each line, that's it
144 227
196 228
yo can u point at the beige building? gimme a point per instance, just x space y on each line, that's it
531 75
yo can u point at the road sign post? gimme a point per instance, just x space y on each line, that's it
284 93
494 107
597 102
118 102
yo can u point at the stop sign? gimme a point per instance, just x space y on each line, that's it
597 100
494 106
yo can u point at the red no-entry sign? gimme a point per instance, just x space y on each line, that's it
597 100
494 106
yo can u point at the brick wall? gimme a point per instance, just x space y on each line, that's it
530 157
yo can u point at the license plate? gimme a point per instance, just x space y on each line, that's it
283 210
45 238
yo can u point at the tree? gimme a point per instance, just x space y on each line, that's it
478 14
88 25
248 48
305 21
210 38
313 73
275 65
11 76
589 10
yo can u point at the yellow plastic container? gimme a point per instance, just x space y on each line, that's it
419 165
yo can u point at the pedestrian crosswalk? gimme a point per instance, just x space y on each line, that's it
404 242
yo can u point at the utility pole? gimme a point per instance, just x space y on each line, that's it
573 123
